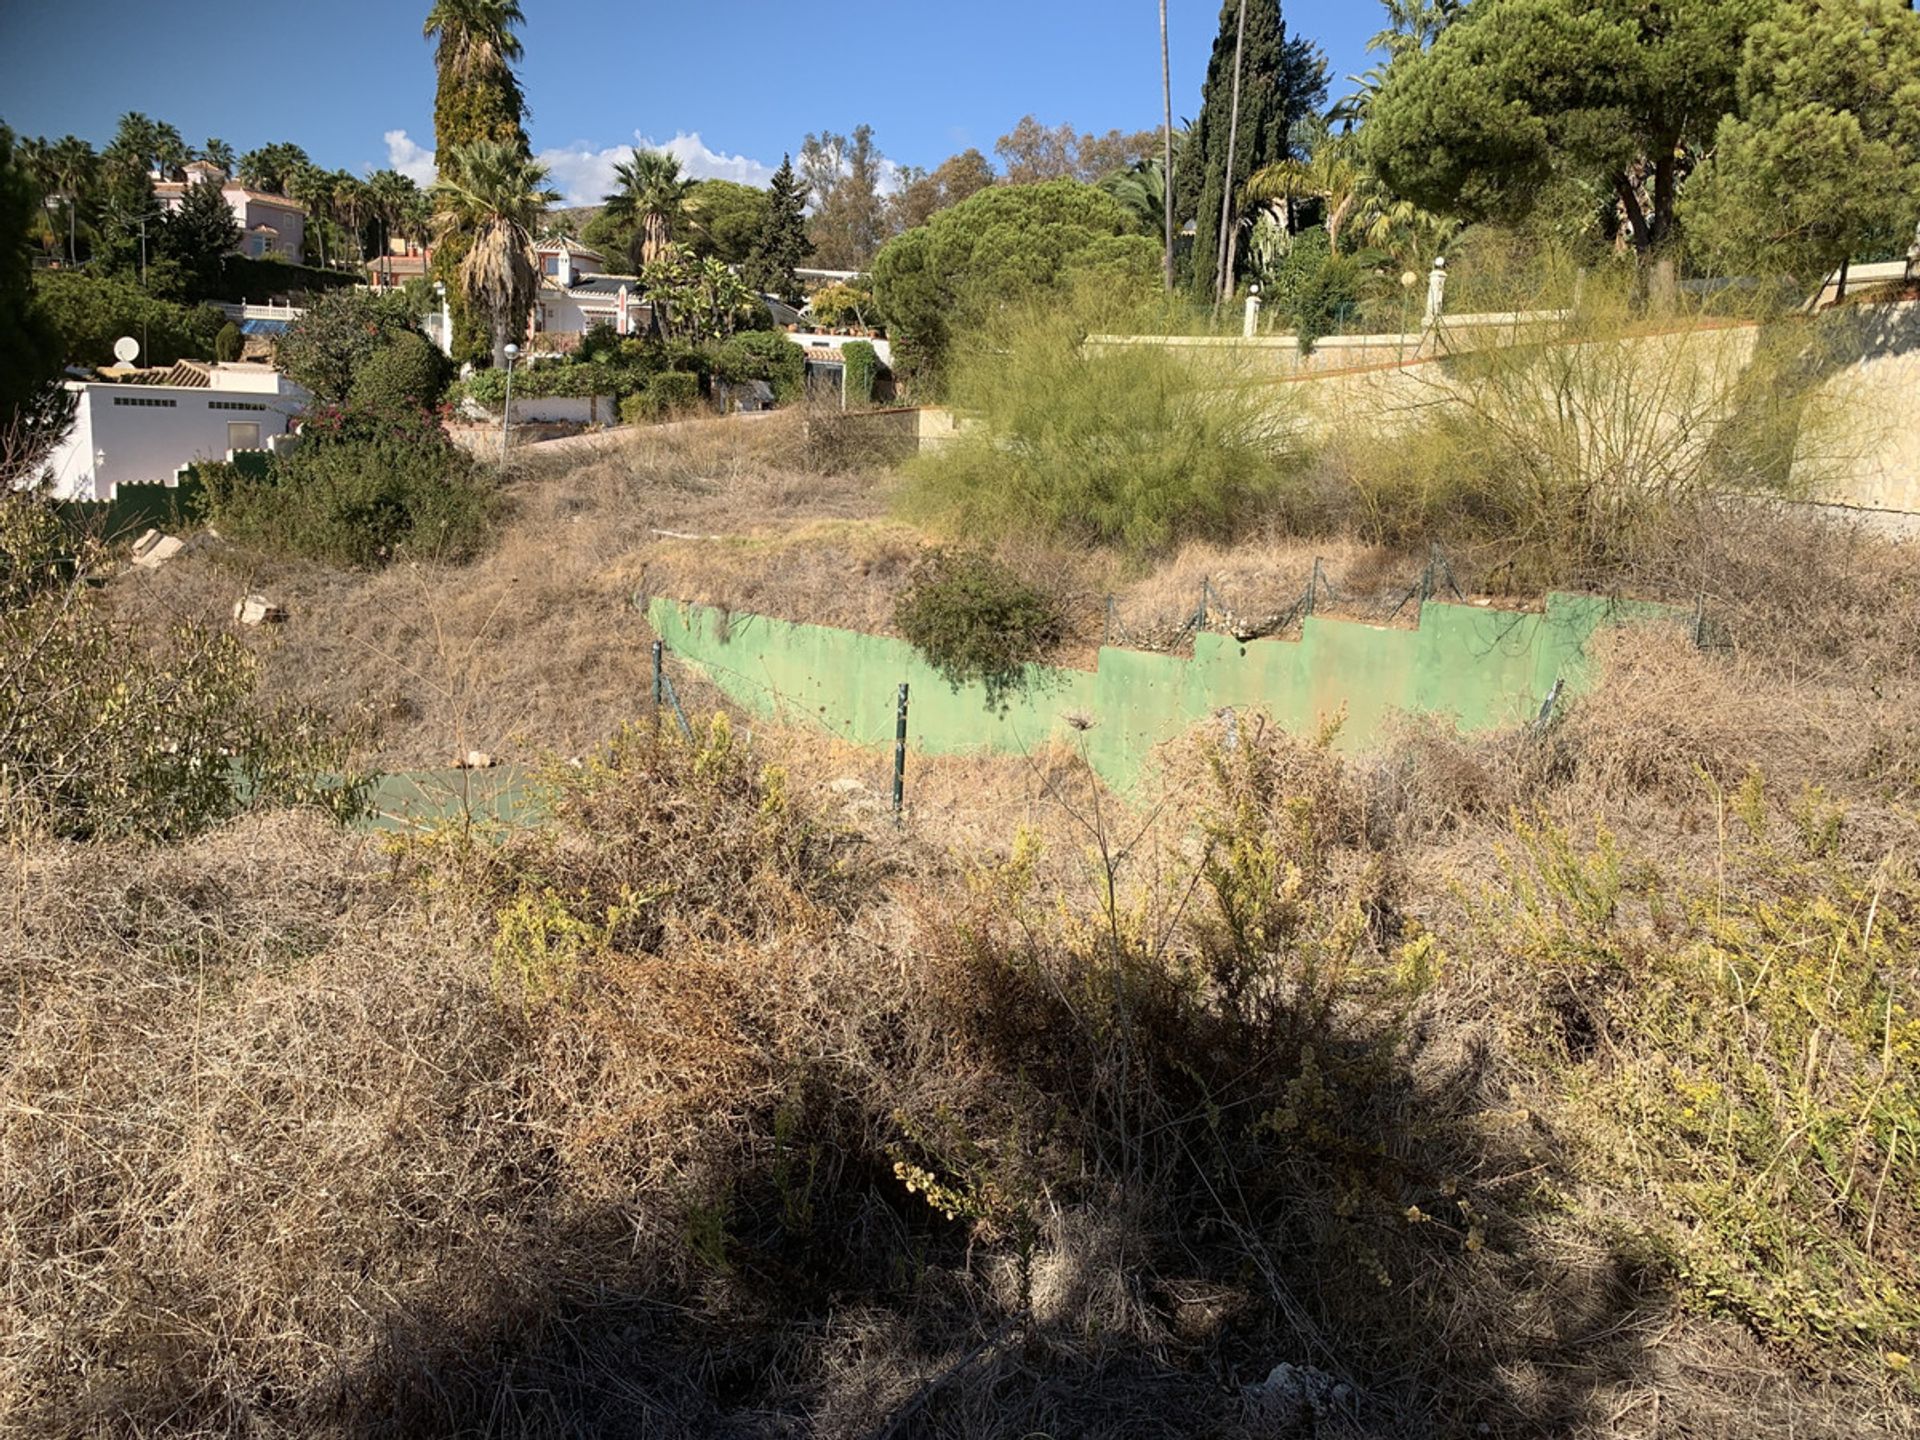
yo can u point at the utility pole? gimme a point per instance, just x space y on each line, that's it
1222 280
1166 162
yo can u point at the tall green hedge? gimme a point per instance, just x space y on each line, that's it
863 370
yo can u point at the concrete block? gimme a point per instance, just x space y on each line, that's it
257 610
153 549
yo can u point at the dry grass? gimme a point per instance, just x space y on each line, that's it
535 648
725 1106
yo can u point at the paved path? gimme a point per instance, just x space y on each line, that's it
486 443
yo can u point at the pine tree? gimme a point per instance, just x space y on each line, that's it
198 237
1282 81
782 243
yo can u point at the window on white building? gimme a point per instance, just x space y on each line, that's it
243 435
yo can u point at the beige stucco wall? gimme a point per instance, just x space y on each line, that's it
1648 400
1873 456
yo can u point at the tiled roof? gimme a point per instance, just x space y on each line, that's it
592 286
183 375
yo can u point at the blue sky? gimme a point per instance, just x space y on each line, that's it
728 87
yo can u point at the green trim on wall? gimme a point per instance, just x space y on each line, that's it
1482 668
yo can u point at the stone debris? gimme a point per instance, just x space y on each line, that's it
475 760
847 785
1294 1400
257 610
153 549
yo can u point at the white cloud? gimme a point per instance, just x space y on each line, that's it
584 174
704 163
412 160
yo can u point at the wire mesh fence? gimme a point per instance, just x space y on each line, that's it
1214 611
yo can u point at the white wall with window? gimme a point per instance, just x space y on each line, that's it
132 431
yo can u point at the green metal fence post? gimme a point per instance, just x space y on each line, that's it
900 755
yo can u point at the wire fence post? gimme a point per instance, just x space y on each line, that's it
900 756
663 691
1109 638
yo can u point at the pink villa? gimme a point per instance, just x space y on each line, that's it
269 224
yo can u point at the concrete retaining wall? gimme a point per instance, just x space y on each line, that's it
1481 668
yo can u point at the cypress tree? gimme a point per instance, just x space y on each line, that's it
782 242
1282 81
478 98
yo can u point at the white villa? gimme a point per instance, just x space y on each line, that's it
576 294
139 426
269 224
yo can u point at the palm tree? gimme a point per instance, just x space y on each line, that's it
1229 233
311 188
1412 25
73 168
218 152
1141 189
476 36
494 205
170 152
1330 173
388 195
653 199
350 204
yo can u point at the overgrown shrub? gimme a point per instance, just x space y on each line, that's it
1758 1083
228 344
326 348
975 620
1120 445
862 363
91 312
409 372
361 489
670 393
762 355
102 735
37 548
1582 447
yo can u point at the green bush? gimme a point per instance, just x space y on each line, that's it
974 620
838 305
325 349
91 312
185 745
762 355
1128 445
408 371
245 279
1313 289
228 344
1007 244
862 373
361 489
670 393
